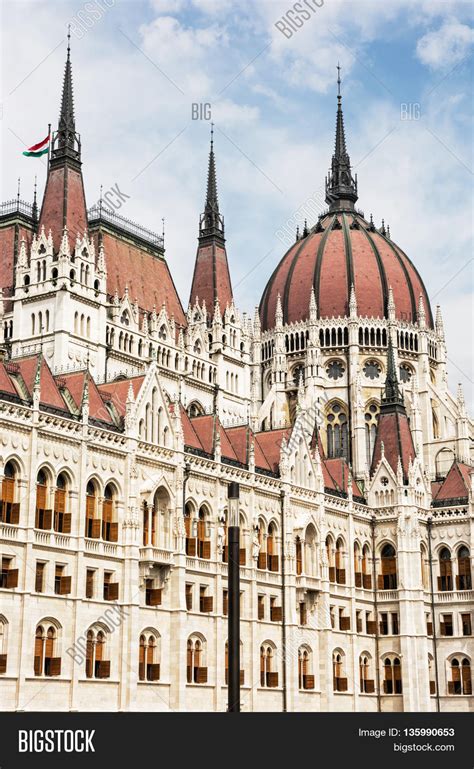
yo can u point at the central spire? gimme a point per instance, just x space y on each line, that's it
211 223
341 186
392 394
66 142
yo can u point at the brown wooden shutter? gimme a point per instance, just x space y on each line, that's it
95 529
47 519
242 677
262 561
345 623
242 556
380 582
332 574
367 581
205 549
67 523
308 681
39 579
113 591
155 597
114 532
342 685
37 666
272 680
200 675
64 585
141 671
154 672
432 687
358 579
55 666
274 562
189 601
191 546
103 669
12 578
276 614
15 512
206 603
440 584
451 687
442 628
371 627
429 628
3 663
89 584
359 625
369 686
341 576
466 679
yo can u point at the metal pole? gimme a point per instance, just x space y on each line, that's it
233 648
376 614
433 618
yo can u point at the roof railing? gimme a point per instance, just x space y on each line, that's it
97 214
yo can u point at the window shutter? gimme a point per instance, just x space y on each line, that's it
39 581
154 672
432 687
141 671
345 623
206 603
189 601
55 666
113 591
440 584
155 597
466 679
380 582
367 581
225 604
103 669
341 576
3 663
64 585
342 685
48 519
332 574
113 532
15 512
272 680
261 611
358 579
66 523
273 562
442 628
429 628
369 686
12 578
89 585
190 546
205 549
359 625
200 675
95 529
371 627
242 556
276 614
37 666
262 561
451 687
308 681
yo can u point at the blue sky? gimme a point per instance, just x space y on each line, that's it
139 66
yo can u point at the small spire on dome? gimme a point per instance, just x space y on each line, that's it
371 226
388 232
383 231
305 229
421 312
297 232
278 312
392 393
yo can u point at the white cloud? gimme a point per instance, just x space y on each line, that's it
445 47
167 6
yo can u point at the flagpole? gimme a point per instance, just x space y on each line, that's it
49 145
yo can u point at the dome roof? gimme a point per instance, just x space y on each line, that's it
344 250
341 251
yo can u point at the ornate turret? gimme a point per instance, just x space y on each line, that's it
341 186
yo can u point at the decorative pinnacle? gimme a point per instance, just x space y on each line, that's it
392 394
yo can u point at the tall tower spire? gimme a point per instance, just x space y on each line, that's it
211 223
392 394
341 186
64 203
211 279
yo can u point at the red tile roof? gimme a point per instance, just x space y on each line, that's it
118 391
394 432
49 391
211 279
75 384
59 209
457 483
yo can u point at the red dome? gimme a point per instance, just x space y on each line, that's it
344 249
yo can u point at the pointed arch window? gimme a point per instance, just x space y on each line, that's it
337 431
367 685
339 680
268 675
92 511
62 517
44 514
461 680
97 666
109 523
464 578
196 672
445 579
305 675
388 561
392 683
9 507
148 663
45 661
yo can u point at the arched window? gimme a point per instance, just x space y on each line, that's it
92 511
305 675
371 419
431 674
392 683
310 555
45 661
329 544
62 517
299 556
32 324
367 685
445 579
268 675
464 579
337 431
339 680
156 520
196 672
366 572
97 666
424 567
461 681
443 461
203 533
340 562
148 660
388 561
9 507
272 548
44 514
357 565
3 644
109 524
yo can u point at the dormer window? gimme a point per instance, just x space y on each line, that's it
125 320
162 332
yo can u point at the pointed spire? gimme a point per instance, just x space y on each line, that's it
421 313
66 143
211 223
256 323
390 304
341 186
305 229
352 303
313 307
461 401
439 323
279 312
34 211
392 393
383 231
297 232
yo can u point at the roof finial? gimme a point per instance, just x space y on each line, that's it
163 229
211 222
18 189
338 82
68 42
212 136
34 210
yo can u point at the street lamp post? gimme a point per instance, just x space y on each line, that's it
233 544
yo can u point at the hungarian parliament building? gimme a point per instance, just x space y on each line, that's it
124 417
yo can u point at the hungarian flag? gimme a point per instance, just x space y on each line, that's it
38 149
